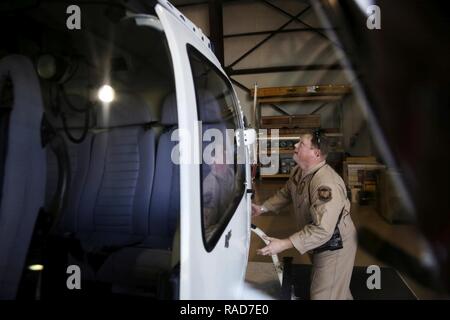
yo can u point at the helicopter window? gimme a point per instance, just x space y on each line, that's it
221 173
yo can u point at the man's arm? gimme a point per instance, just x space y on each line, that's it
282 197
279 200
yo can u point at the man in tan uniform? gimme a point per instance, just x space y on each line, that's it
319 196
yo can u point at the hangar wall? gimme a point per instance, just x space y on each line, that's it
286 49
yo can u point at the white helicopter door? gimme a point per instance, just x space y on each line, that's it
215 216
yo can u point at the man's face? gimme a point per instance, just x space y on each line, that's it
305 155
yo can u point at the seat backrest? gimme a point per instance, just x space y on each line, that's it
23 172
114 204
165 200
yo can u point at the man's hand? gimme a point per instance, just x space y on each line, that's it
275 246
256 210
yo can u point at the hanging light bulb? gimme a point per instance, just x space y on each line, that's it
106 93
36 267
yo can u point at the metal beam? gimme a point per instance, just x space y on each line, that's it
191 4
279 109
274 106
268 37
245 34
240 85
312 67
319 107
216 28
299 20
194 3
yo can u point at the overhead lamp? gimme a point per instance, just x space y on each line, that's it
36 267
106 93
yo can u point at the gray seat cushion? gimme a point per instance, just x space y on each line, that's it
24 172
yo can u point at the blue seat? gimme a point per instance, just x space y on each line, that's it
165 200
112 178
113 206
23 171
143 265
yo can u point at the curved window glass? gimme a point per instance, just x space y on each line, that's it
222 171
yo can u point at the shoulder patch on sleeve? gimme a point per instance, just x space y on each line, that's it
324 193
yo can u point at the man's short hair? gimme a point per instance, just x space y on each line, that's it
320 141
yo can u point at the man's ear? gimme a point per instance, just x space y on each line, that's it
317 153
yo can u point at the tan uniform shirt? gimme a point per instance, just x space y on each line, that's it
316 220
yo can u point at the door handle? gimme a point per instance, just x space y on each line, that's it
227 239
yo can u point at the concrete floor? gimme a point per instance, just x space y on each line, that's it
261 274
